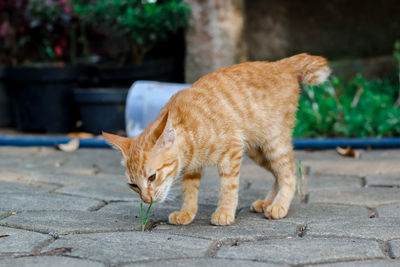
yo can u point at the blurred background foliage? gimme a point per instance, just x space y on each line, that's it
69 31
143 23
359 108
63 32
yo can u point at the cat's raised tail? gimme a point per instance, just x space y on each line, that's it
312 70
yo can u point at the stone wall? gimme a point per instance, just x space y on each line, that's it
225 32
214 39
335 28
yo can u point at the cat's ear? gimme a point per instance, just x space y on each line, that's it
123 143
165 133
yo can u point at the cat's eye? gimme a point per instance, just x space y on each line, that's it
152 177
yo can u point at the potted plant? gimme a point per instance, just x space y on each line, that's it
5 109
39 42
139 26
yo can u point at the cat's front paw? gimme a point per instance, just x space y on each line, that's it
259 205
222 218
276 211
180 218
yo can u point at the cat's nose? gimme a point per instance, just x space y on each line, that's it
146 199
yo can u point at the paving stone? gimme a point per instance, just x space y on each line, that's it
16 187
250 189
395 248
125 247
252 172
26 160
62 168
19 241
247 226
204 262
370 197
376 162
383 180
82 161
301 213
59 178
159 211
89 174
375 228
119 216
303 250
368 263
36 177
8 151
211 196
108 189
258 189
389 211
4 214
48 261
29 201
64 222
316 211
85 161
316 182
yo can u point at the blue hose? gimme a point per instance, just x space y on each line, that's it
329 143
49 141
300 144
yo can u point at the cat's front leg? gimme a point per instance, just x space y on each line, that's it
229 168
190 188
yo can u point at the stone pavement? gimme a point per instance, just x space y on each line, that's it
74 209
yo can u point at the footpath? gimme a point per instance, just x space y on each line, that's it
74 209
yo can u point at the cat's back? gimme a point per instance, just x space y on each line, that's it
233 100
236 92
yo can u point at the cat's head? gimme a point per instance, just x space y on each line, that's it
151 159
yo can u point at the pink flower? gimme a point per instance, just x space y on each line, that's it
58 50
5 29
67 10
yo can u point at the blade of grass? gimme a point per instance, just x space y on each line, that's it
148 210
141 214
301 187
144 218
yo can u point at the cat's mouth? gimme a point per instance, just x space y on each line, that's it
148 200
159 198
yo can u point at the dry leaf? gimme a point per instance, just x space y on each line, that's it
13 212
348 152
82 135
72 145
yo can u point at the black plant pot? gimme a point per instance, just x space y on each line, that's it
42 98
5 107
102 109
164 69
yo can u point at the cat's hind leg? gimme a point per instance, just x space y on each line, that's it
257 155
279 152
190 188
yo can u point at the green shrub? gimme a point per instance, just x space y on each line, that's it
142 23
360 108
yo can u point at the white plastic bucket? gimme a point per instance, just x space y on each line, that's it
144 101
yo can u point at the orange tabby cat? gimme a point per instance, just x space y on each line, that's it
247 108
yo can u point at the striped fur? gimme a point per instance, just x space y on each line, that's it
247 108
